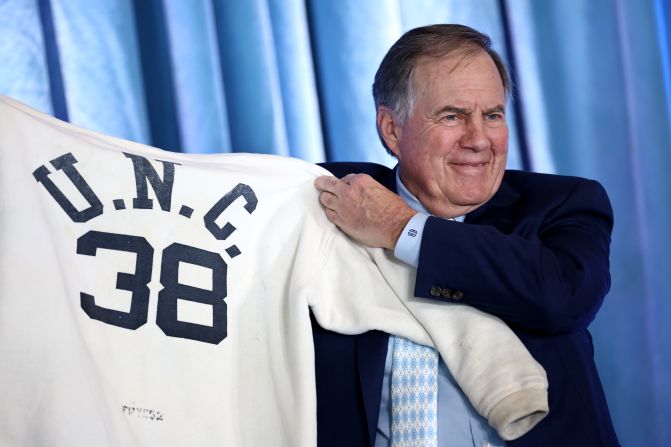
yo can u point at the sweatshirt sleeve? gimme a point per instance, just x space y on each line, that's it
356 289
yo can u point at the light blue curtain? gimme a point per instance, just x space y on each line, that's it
24 73
100 66
293 77
198 85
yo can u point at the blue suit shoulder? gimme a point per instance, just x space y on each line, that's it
534 182
546 192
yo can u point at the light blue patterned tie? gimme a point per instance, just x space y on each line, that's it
414 393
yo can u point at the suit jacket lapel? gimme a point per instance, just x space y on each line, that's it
389 181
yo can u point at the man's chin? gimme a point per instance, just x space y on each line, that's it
471 200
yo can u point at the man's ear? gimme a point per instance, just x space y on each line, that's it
388 128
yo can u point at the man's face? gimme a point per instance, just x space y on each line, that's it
452 151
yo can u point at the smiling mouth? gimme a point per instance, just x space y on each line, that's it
472 165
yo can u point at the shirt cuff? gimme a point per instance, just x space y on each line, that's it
408 244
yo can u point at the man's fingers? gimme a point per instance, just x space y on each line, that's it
348 178
327 183
358 179
332 215
328 199
331 190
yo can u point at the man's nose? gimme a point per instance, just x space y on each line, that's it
475 136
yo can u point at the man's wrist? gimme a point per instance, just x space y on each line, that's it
409 241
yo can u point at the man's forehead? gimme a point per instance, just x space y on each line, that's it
456 71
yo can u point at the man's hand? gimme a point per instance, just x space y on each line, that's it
364 209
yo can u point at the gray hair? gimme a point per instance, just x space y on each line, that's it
393 86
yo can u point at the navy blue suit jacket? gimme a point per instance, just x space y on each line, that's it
536 256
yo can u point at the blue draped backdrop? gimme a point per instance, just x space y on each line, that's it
293 77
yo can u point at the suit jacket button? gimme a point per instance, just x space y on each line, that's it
435 291
447 293
457 295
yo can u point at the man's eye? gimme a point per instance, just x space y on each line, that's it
451 117
495 117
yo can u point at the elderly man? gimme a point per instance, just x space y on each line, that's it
531 249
